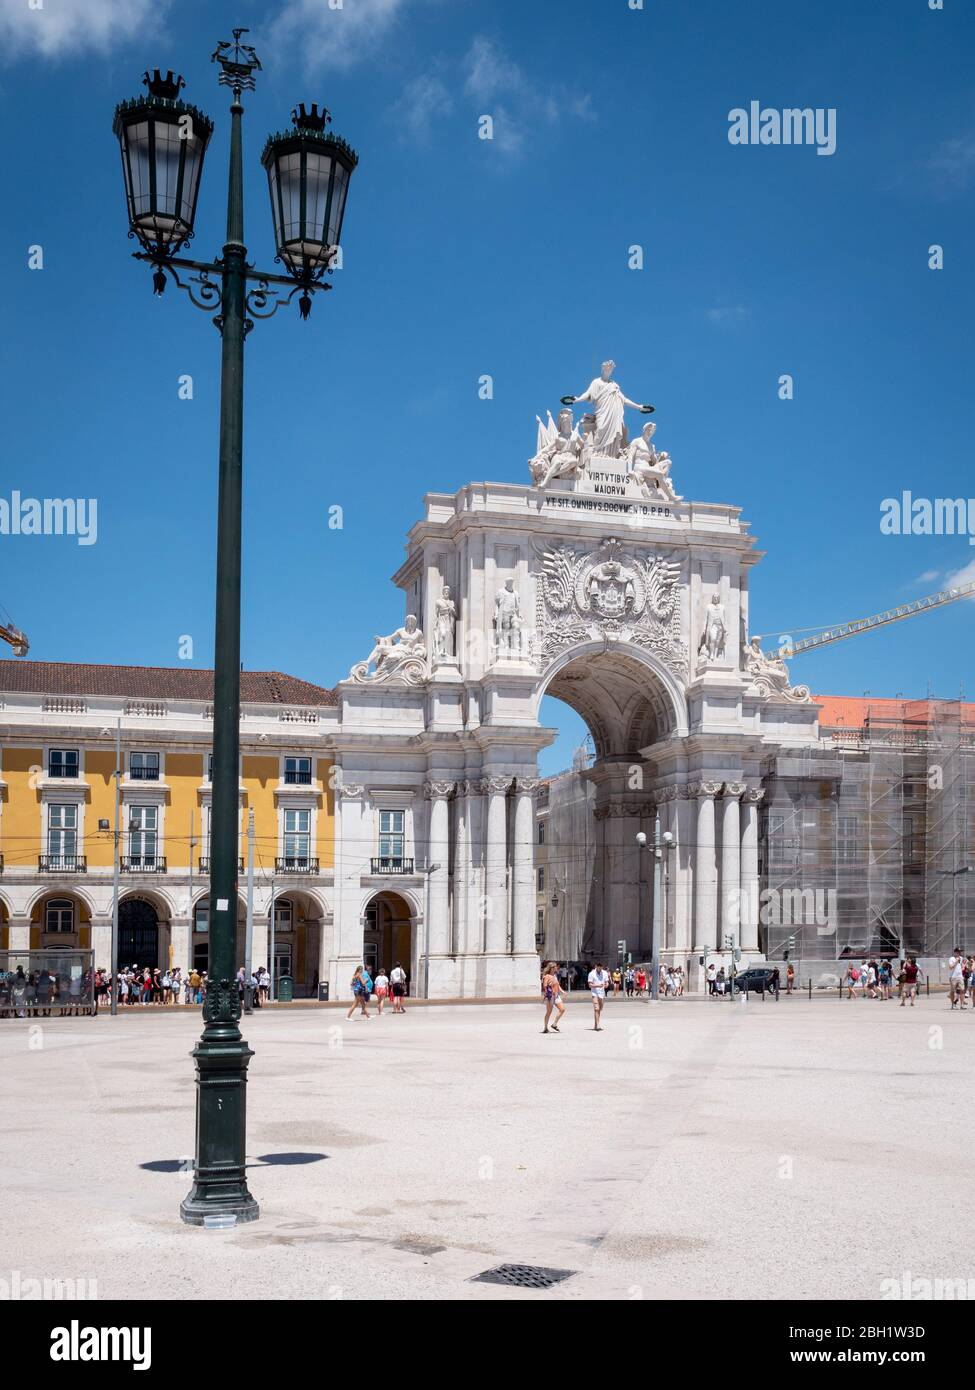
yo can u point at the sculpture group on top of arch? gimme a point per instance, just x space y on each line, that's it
566 450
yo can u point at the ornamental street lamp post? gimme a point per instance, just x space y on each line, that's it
661 843
163 142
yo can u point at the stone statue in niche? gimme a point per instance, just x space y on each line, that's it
507 619
402 654
715 634
445 627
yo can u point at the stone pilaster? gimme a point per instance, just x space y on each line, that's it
438 929
750 886
523 854
496 867
705 867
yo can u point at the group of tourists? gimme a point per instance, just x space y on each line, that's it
40 993
144 986
383 987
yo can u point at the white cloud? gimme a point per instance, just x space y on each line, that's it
490 72
65 27
336 37
728 313
423 100
516 102
966 575
952 166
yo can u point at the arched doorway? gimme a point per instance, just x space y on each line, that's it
593 882
388 936
297 941
138 933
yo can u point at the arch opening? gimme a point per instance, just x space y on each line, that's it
389 937
593 881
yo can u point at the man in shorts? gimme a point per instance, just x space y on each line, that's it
598 982
956 979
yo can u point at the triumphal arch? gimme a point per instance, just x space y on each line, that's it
599 583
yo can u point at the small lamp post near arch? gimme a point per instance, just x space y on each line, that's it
661 845
163 142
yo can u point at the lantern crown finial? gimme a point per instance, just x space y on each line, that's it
311 118
168 87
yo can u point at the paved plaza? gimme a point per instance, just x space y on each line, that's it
805 1149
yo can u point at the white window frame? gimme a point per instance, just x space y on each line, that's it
60 830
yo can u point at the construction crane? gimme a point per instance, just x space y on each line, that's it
789 649
14 636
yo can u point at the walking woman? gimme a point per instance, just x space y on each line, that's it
361 990
552 995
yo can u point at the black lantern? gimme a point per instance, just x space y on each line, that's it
163 141
308 174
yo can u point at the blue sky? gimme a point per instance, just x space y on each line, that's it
508 257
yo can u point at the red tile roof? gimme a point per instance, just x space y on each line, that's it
853 711
154 683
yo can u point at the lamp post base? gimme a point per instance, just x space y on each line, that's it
219 1178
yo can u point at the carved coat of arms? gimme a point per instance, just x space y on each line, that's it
613 594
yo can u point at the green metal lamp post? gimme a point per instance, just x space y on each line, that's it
163 142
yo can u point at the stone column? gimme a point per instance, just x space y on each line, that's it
681 868
179 935
495 867
18 936
664 810
750 886
438 929
462 868
705 868
472 935
353 848
523 853
731 861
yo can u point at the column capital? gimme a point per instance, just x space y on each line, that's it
434 789
753 795
350 791
474 786
666 794
734 790
704 790
496 785
528 785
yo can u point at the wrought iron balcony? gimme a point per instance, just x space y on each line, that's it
205 864
68 770
143 864
296 864
296 777
144 774
392 864
62 864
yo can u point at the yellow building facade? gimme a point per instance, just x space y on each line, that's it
60 728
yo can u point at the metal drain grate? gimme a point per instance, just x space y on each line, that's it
523 1276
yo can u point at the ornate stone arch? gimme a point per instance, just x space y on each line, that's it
626 695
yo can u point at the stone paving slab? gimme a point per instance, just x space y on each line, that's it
692 1149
